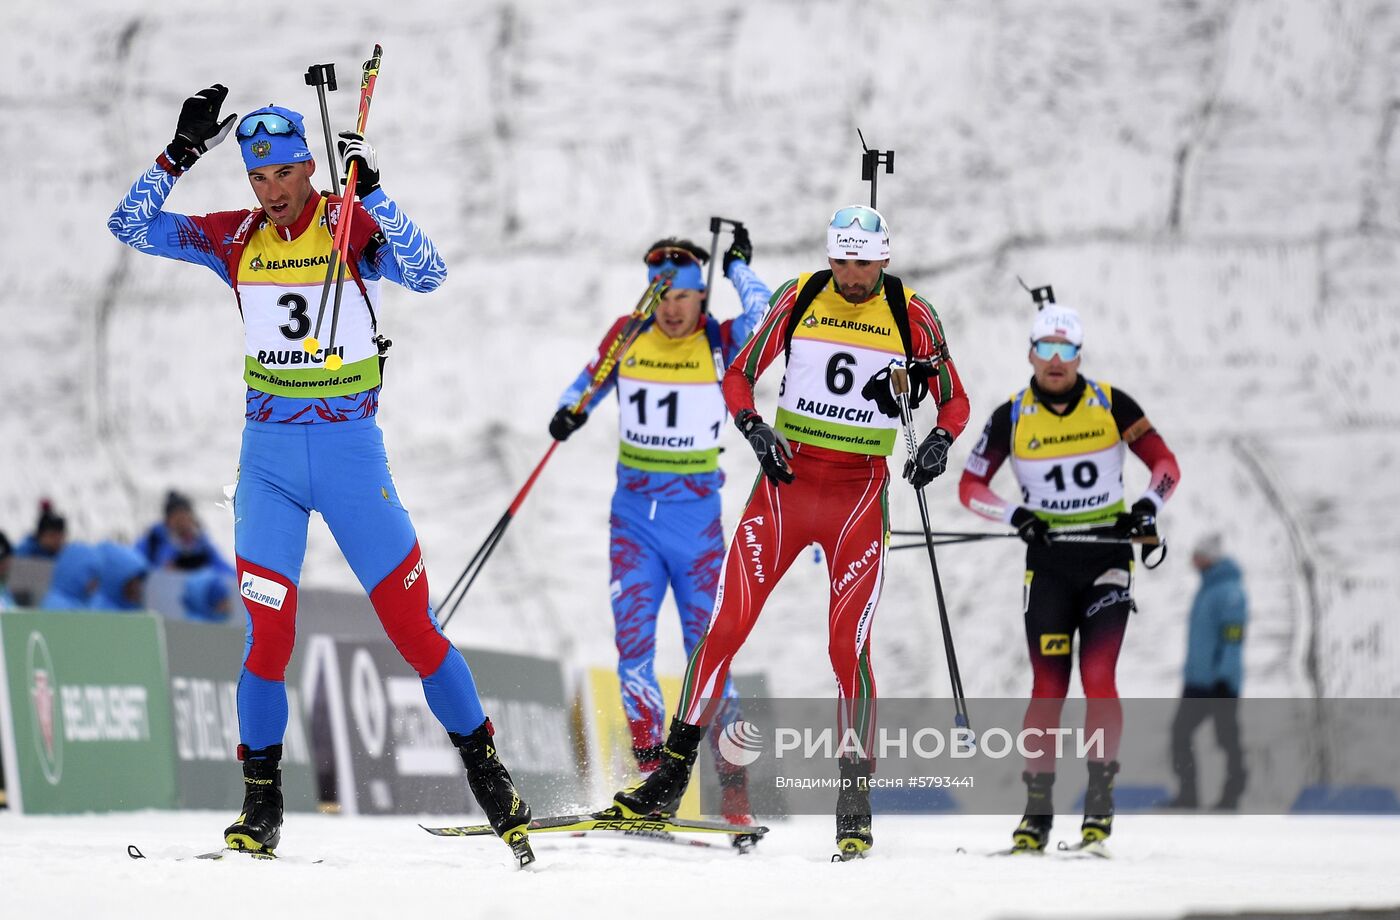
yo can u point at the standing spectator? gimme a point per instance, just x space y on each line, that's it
76 573
7 602
1214 673
49 535
179 541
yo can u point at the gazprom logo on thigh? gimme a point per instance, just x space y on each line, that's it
261 590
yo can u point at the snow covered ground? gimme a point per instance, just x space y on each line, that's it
1213 183
386 867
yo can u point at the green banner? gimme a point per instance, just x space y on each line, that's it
89 714
205 662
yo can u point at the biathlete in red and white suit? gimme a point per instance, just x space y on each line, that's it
311 440
1065 436
824 481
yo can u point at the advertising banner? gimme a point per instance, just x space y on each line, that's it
393 756
87 715
204 664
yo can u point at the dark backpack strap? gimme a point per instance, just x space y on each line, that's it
899 306
814 286
894 295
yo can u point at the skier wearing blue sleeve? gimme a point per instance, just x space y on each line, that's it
665 517
311 440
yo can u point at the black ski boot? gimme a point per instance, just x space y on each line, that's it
494 791
1033 833
660 793
853 822
1098 803
258 828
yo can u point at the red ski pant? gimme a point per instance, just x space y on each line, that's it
837 501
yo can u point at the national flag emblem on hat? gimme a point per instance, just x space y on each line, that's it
261 149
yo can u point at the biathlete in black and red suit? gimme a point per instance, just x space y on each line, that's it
1065 436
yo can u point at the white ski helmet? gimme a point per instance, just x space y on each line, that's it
858 232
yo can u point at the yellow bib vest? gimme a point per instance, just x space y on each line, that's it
670 408
1070 466
836 348
279 289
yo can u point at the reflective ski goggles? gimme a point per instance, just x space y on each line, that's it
673 254
868 219
1066 351
269 122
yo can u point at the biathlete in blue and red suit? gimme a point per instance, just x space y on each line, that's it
665 517
311 440
1065 437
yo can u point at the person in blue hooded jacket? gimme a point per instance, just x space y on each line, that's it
76 572
1213 675
121 579
207 596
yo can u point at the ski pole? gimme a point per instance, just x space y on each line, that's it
340 244
961 536
716 223
948 541
899 382
620 343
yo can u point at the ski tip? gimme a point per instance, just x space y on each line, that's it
133 852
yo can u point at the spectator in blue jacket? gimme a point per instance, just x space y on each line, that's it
49 536
76 573
121 578
1214 673
179 541
208 596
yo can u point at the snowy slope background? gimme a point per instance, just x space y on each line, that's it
1213 184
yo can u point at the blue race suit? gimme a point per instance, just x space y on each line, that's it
311 440
665 525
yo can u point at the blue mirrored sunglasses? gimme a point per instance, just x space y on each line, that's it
270 123
1047 350
869 221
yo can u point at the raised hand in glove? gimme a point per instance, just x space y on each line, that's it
929 460
354 148
199 129
1030 528
740 250
769 446
879 391
1139 521
565 423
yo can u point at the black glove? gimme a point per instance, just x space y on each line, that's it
770 446
1030 528
929 460
1140 521
355 149
565 423
878 390
199 129
741 249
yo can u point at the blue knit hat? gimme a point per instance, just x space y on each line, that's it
272 135
688 275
